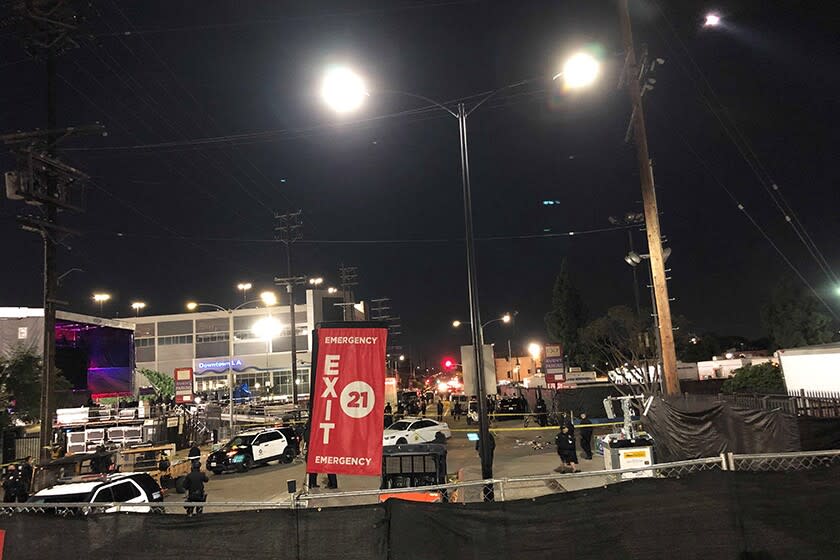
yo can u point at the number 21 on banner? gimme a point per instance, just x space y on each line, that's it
357 399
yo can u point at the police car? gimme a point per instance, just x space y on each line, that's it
255 447
134 492
416 430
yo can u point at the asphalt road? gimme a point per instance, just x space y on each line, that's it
513 457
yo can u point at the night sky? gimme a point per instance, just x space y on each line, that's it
191 219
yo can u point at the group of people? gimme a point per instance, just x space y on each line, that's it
566 445
417 407
17 481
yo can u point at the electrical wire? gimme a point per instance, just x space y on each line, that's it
179 237
752 220
745 149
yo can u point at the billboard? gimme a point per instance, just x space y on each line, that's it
348 401
183 385
553 361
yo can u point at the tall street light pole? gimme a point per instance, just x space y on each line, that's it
654 236
267 298
345 91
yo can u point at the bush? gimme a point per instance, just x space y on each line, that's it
760 378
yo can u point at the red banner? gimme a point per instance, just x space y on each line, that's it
348 402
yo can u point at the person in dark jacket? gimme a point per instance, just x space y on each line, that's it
194 485
540 410
13 487
195 452
26 474
439 410
456 411
585 436
566 449
389 415
491 445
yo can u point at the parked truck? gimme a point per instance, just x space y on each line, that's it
811 368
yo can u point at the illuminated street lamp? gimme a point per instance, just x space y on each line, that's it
345 91
244 287
331 290
268 299
101 298
712 20
316 281
580 70
535 350
138 306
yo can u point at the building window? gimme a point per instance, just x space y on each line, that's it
170 340
214 337
143 342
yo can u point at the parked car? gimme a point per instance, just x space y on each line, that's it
511 405
255 447
416 430
138 489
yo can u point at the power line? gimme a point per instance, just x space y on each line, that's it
748 154
362 241
755 224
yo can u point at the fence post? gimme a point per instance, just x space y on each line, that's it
502 483
723 463
731 459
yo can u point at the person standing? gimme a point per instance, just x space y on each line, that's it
585 436
195 452
13 486
26 474
439 410
389 415
456 411
491 445
540 409
423 408
194 485
566 449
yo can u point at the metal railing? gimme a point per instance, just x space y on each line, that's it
503 489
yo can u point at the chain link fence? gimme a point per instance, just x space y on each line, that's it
500 489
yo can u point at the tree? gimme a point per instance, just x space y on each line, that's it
794 317
20 385
163 384
623 344
567 314
759 378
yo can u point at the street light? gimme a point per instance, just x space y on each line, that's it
267 328
268 299
535 350
101 298
506 318
712 20
580 70
316 281
331 290
244 287
138 306
345 91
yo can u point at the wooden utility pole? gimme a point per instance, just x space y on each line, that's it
657 260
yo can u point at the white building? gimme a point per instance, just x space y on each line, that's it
811 368
201 340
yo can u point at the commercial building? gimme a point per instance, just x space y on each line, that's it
261 355
92 353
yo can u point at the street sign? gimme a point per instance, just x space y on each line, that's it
348 402
183 385
553 362
555 378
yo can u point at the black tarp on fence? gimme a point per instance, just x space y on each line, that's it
691 429
725 515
